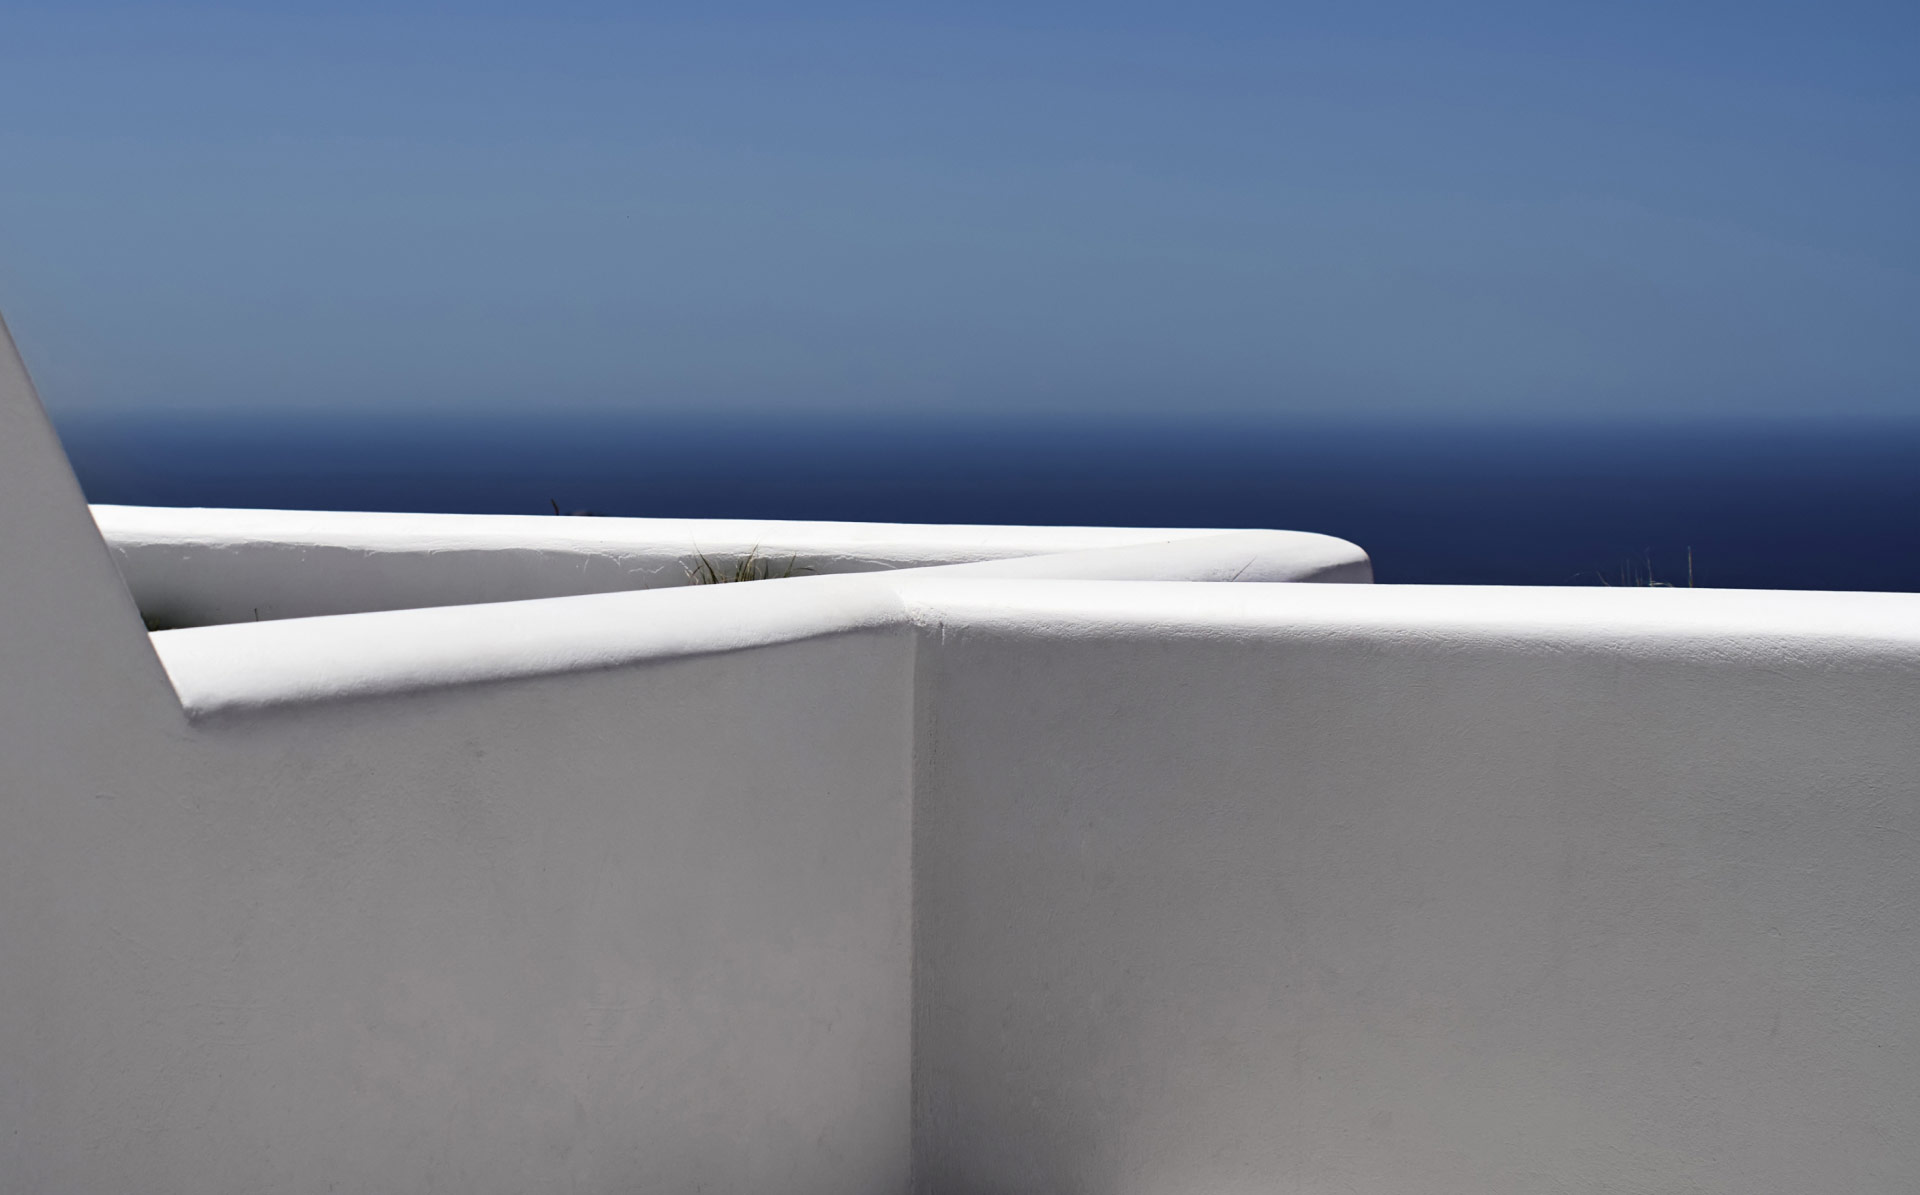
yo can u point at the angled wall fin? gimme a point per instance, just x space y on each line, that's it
72 646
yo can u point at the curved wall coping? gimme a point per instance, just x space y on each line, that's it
245 667
1734 625
1231 556
398 532
232 667
198 567
240 667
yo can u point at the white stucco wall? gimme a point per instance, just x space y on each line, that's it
639 928
634 922
962 877
1397 889
194 567
71 646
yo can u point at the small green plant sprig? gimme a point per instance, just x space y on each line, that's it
751 567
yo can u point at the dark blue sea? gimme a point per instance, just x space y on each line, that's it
1788 505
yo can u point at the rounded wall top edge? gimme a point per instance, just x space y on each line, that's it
236 668
1696 624
402 531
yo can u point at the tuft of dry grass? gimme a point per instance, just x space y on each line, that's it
751 567
1640 575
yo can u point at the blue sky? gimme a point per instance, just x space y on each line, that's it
1506 209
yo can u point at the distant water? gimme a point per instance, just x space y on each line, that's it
1782 505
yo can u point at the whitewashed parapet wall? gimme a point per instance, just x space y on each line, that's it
1030 864
189 567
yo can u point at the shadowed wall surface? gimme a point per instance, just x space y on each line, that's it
641 929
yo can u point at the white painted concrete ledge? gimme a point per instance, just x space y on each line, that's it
196 567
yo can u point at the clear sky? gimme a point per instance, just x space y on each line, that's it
1535 207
